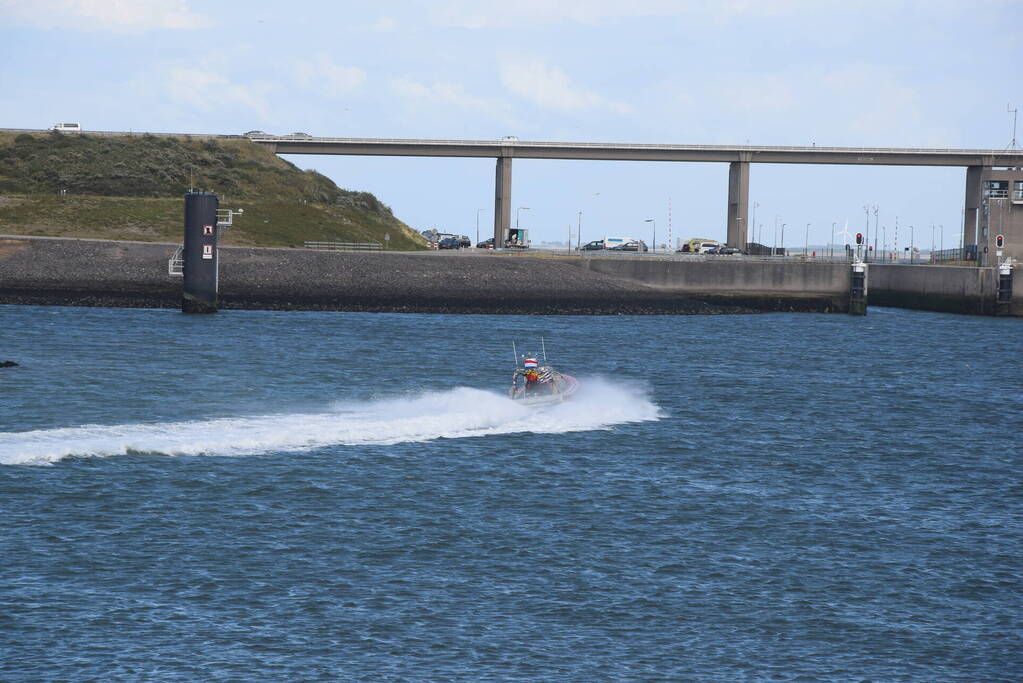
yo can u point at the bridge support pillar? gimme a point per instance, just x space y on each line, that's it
502 201
200 253
975 177
738 204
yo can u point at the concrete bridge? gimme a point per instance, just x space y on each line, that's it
977 162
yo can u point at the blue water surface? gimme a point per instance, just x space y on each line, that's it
342 496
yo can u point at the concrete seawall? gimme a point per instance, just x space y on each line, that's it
107 273
950 289
822 286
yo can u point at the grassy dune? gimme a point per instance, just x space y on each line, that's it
132 187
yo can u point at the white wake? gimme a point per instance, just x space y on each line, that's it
457 413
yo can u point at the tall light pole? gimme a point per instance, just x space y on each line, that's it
753 227
783 238
478 225
875 230
806 242
884 242
651 220
774 247
517 215
579 231
911 244
831 244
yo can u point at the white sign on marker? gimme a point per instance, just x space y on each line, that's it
207 230
207 251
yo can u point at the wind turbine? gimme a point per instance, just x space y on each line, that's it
845 232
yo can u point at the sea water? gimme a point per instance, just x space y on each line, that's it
341 496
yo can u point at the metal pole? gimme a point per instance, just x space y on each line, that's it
806 242
774 248
579 232
478 225
831 244
911 244
651 220
783 239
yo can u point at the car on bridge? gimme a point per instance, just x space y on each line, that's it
486 244
450 242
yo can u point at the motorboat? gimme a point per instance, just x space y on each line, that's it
536 384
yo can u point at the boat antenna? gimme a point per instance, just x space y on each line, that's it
515 354
544 347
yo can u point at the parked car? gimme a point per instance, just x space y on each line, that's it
301 135
635 245
728 251
450 243
254 132
595 245
464 242
486 244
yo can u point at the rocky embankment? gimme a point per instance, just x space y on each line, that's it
134 274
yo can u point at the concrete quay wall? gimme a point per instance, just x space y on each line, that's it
950 289
828 283
134 274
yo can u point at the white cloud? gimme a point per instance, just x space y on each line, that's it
323 73
448 94
550 87
105 15
476 14
209 91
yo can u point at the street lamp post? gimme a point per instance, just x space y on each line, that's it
478 225
579 232
911 244
517 215
884 242
806 242
774 245
783 238
651 220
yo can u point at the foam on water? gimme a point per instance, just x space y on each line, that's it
456 413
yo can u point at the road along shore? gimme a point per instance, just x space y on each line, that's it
79 272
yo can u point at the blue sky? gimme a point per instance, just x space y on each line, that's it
772 72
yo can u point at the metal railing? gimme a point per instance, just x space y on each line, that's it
344 246
176 263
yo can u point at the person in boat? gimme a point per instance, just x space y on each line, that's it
532 381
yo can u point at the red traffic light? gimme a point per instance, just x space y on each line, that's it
859 238
999 241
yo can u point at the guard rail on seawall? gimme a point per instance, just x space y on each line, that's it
344 246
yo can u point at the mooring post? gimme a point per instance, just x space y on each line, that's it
199 293
858 288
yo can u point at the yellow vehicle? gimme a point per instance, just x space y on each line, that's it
697 244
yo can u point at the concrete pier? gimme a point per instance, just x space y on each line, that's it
502 200
738 204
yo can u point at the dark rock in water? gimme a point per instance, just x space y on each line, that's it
7 364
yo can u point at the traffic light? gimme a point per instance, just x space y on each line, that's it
859 238
999 241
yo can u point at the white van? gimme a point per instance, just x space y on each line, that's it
67 127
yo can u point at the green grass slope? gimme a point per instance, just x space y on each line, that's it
131 187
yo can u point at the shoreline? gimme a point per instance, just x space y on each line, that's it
105 273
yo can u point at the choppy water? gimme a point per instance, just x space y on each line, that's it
295 496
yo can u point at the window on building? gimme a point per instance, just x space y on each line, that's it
997 188
1017 191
